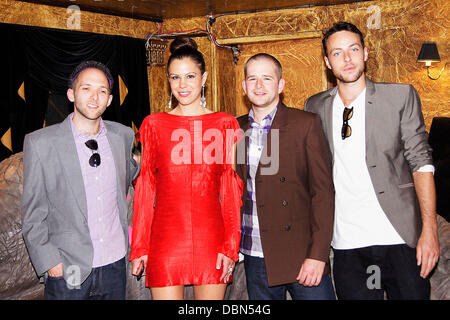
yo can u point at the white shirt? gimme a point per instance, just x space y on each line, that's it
359 219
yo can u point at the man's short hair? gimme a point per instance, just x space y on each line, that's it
91 64
265 56
341 26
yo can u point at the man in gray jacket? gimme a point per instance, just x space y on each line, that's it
385 231
76 177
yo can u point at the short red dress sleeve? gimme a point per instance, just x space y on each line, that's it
144 194
230 192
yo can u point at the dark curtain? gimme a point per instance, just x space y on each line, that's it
43 59
440 143
11 105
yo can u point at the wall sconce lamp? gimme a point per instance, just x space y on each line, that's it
428 54
155 51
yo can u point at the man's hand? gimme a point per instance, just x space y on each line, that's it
427 251
311 272
56 271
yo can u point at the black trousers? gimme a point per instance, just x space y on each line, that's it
366 273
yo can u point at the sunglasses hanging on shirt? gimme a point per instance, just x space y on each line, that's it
346 129
94 160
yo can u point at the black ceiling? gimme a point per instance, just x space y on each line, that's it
159 10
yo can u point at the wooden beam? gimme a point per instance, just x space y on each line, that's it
273 37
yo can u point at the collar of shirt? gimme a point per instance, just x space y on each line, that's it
78 135
267 119
358 103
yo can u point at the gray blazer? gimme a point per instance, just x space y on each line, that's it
54 206
396 146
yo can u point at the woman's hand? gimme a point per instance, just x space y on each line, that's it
138 266
227 266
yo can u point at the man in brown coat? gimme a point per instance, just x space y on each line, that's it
287 216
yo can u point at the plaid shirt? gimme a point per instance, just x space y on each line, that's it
250 237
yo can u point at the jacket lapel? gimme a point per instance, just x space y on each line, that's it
328 118
116 143
68 156
117 147
242 150
370 114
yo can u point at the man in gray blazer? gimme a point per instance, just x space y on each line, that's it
385 231
76 177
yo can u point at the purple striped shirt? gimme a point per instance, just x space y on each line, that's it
250 236
100 185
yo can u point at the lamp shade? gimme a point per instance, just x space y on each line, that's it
429 53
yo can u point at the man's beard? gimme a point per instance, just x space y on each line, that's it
86 115
349 79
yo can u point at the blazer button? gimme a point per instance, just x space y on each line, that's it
282 179
284 203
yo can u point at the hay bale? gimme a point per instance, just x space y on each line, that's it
18 279
440 279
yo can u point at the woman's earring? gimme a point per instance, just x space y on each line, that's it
170 100
203 99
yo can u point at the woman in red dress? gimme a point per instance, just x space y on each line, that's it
186 223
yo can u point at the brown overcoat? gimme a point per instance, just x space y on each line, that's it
295 201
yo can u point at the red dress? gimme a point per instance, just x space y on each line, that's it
187 198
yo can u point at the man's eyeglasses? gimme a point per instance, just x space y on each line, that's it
346 129
94 160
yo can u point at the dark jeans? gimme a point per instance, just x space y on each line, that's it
365 273
104 283
258 288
